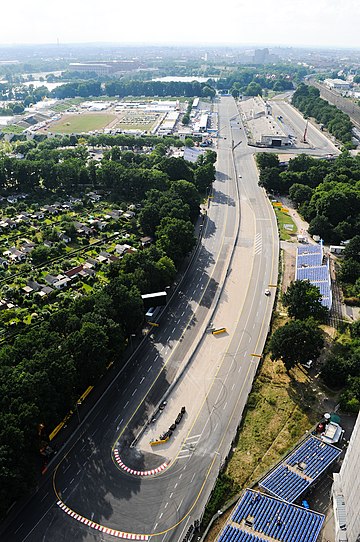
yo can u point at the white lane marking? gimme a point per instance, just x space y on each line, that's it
215 426
233 386
166 505
184 529
183 312
155 526
64 489
67 468
193 476
126 404
133 393
81 449
184 456
168 339
161 515
44 497
171 494
93 433
106 416
194 436
177 509
142 380
156 357
173 330
18 529
149 369
165 535
71 481
147 357
78 472
175 486
132 380
180 476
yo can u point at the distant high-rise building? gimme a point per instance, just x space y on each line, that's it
346 492
261 56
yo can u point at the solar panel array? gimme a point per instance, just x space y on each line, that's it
309 267
258 516
306 463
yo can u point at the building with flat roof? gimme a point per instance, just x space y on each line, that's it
346 492
337 84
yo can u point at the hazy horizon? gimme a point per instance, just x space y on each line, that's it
319 24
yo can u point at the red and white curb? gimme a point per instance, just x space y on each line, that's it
101 528
151 472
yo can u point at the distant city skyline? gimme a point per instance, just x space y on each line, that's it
319 23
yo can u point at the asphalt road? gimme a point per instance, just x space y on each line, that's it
87 479
295 121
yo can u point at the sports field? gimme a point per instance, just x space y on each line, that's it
86 122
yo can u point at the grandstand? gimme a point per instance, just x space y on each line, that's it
299 470
309 266
261 518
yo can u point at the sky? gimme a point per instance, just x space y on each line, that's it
322 23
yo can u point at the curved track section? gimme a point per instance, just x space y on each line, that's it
151 472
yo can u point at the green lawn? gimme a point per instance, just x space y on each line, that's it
286 225
12 129
81 123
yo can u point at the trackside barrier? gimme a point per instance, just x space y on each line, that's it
156 442
220 330
56 430
61 424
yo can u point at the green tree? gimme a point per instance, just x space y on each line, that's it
303 300
300 193
175 237
296 342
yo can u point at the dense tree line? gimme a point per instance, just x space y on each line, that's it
326 192
250 81
124 88
307 99
342 368
45 369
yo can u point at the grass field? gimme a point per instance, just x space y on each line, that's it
12 129
286 225
81 123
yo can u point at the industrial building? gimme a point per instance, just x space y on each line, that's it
310 266
168 124
104 67
346 492
337 84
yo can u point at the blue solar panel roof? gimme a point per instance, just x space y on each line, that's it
270 517
309 260
309 267
310 249
298 471
320 273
